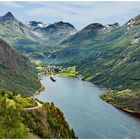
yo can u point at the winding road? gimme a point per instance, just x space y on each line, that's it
36 107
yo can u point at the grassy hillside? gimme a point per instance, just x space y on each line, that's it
16 72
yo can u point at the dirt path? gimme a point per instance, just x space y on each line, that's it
32 108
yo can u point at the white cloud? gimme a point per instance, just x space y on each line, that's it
11 4
80 11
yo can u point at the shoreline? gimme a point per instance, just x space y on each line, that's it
41 88
131 112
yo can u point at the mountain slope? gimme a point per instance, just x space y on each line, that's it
107 58
53 33
16 72
18 35
11 29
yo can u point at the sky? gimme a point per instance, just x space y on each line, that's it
79 14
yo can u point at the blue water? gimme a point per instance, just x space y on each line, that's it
86 113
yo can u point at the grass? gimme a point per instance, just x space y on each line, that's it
69 71
58 70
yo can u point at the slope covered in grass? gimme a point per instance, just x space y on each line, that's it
16 72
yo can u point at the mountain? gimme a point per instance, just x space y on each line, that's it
52 33
89 32
35 24
34 39
17 34
17 74
8 17
108 57
11 29
82 40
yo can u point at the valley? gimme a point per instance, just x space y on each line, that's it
104 55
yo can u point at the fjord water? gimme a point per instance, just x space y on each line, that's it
86 113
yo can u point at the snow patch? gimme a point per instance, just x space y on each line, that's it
40 25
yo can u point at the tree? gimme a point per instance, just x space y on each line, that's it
11 125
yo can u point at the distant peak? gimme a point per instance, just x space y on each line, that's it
8 16
94 26
34 23
113 25
61 23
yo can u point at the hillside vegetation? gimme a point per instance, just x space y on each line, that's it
17 74
45 122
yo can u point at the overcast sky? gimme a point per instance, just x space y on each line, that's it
80 14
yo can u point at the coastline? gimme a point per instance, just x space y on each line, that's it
134 113
38 91
131 112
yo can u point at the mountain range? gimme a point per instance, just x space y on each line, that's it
33 38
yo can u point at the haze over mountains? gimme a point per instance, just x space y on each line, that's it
107 55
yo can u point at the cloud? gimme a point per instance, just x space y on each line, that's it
11 4
81 11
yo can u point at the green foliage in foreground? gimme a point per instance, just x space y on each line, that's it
48 122
45 122
11 125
